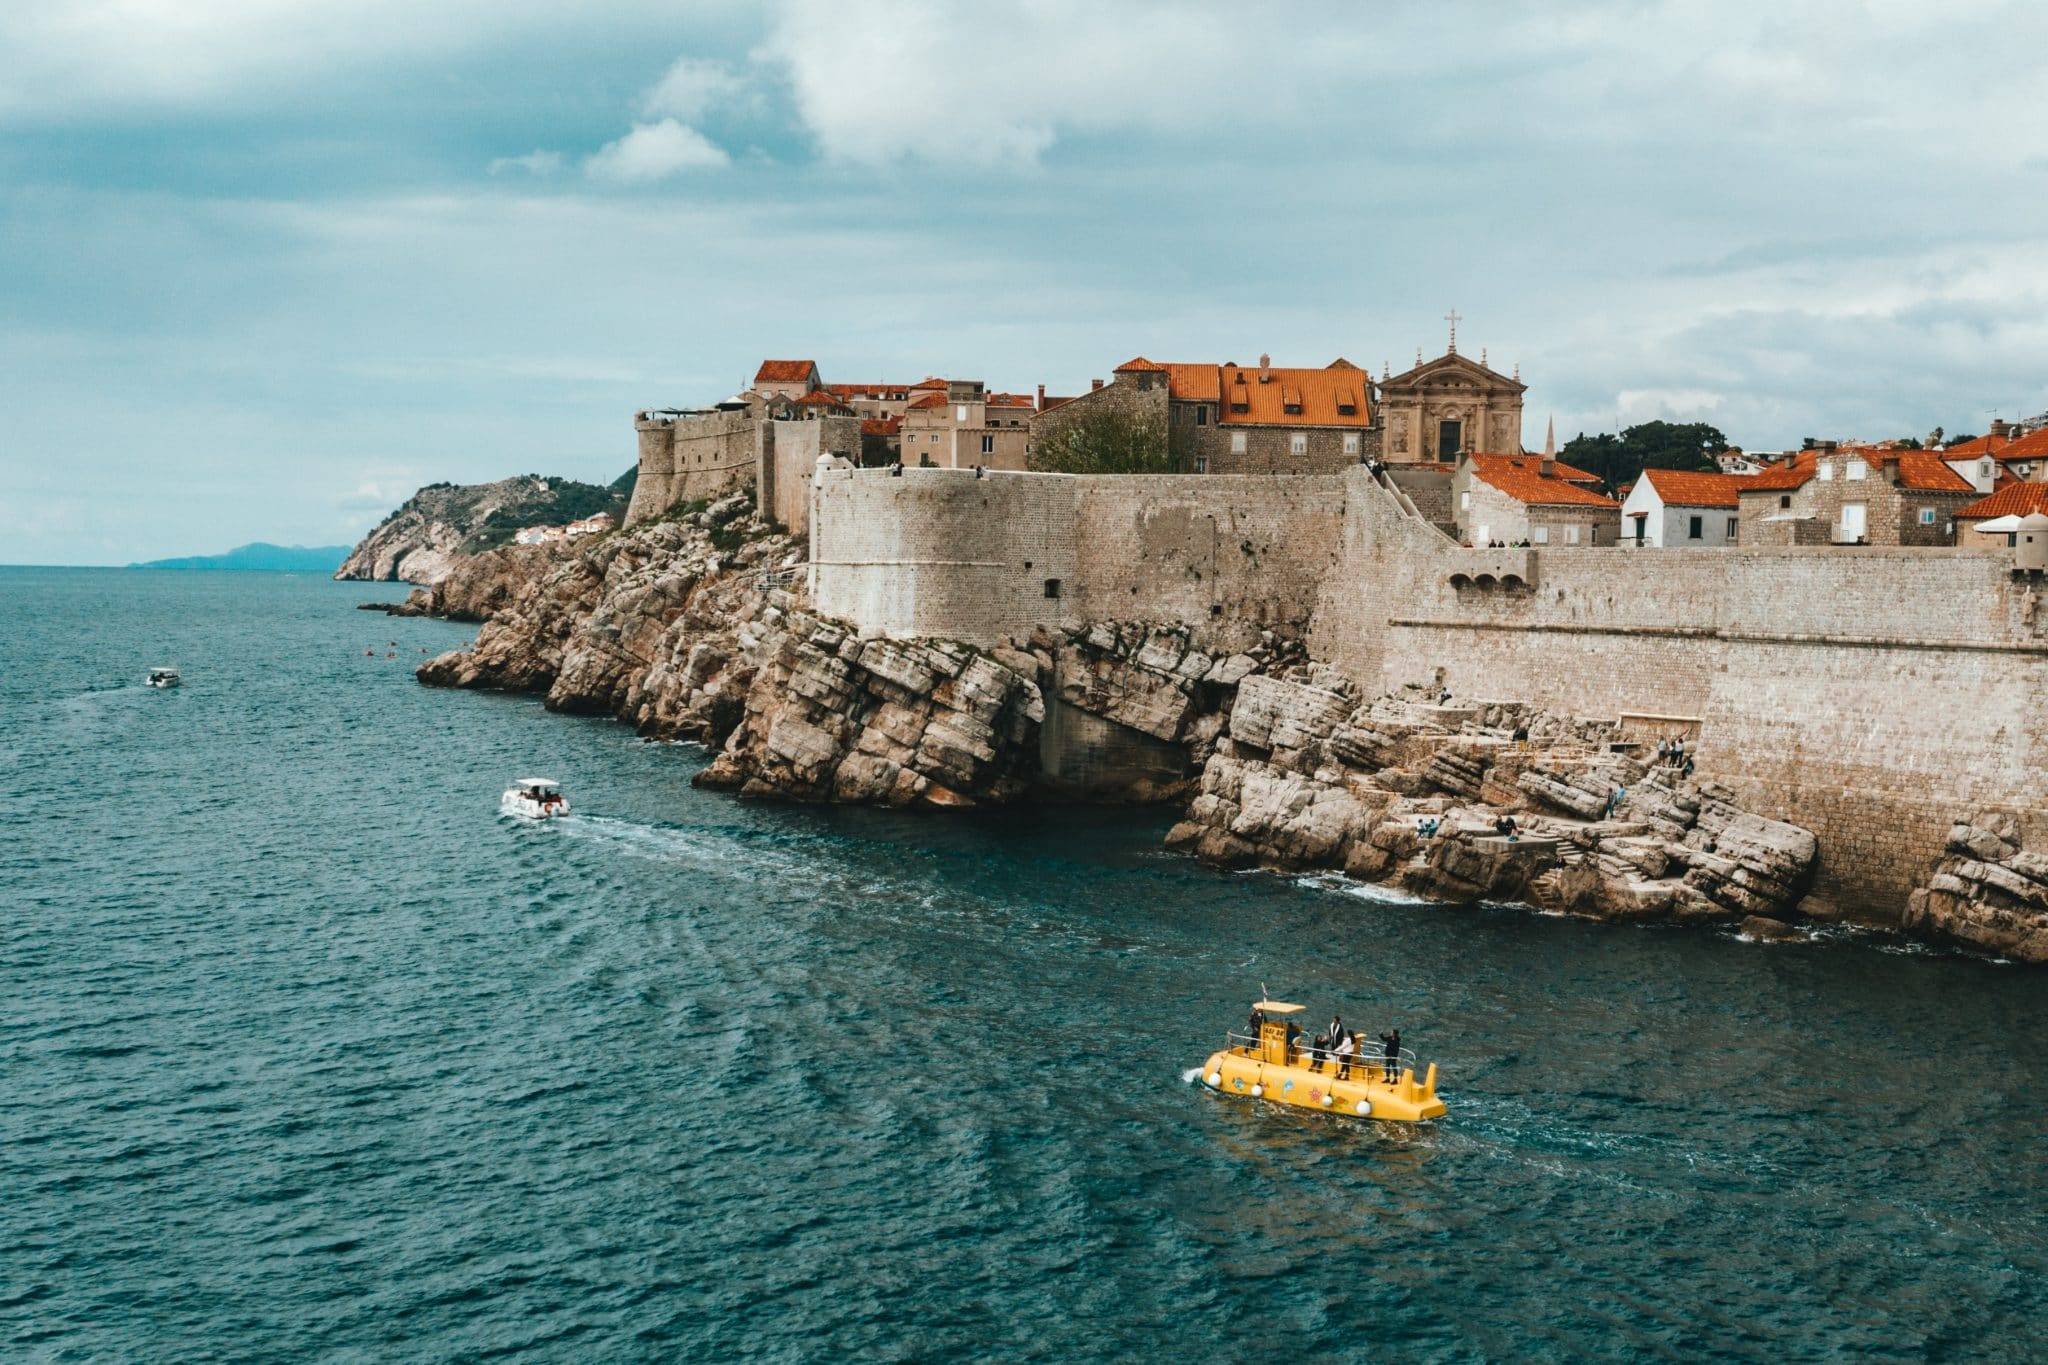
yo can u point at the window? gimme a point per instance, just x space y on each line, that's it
1927 516
1201 414
1784 500
1237 443
1350 443
1052 587
1855 522
988 443
1693 526
1201 464
1984 468
1731 527
1465 501
1540 536
1571 535
959 412
1485 536
1826 471
1855 469
1297 444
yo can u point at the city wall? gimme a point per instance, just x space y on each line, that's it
788 454
941 552
691 456
1873 695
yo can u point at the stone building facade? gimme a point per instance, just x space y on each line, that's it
1450 406
964 426
1855 495
1513 499
1237 419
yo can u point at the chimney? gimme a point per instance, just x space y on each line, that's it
1265 368
1041 398
1094 384
2000 428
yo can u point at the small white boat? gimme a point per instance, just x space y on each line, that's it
534 798
163 677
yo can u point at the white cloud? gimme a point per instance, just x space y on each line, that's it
693 88
655 151
536 162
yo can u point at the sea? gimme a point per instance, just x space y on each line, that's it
308 1053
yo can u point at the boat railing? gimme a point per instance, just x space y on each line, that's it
1371 1052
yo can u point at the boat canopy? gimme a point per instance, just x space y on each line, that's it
1277 1007
542 783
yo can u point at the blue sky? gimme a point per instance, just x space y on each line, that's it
268 265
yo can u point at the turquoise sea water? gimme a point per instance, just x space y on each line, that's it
305 1052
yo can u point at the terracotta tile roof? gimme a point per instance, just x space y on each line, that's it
1794 473
1194 383
820 398
1521 478
880 426
2032 446
867 390
930 400
2013 500
928 383
1140 363
1340 363
1691 488
1318 398
1010 400
784 371
1923 471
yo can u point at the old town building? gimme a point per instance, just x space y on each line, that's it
1450 406
1675 507
1531 500
1855 495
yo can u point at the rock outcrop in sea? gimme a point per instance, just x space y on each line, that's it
1987 890
1398 790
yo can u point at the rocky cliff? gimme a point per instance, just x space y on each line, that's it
1397 790
1987 891
423 539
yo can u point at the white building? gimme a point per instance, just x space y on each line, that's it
1677 507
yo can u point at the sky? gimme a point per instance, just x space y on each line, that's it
266 266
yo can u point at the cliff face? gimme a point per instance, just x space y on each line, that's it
431 531
1988 891
1308 775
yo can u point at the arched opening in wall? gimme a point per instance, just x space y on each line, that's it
1512 582
1461 581
1487 580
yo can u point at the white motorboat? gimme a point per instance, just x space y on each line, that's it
534 798
163 677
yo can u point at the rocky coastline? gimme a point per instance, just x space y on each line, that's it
695 627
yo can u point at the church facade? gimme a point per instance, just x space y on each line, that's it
1447 407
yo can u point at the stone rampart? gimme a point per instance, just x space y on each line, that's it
940 552
788 454
691 456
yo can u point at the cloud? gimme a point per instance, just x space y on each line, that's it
692 88
655 151
537 162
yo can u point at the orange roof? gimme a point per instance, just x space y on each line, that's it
1140 363
1010 400
866 390
930 400
880 426
1782 478
1570 473
1521 478
819 398
1924 471
785 371
929 383
1194 383
1692 488
2013 500
2032 446
1340 363
1316 397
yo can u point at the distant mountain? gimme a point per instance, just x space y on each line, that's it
261 557
422 539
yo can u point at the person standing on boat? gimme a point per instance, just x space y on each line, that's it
1390 1044
1293 1036
1347 1048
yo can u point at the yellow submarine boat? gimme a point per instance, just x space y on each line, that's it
1266 1068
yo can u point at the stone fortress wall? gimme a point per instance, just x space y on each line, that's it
939 552
689 456
1875 696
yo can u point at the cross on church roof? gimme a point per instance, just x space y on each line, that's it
1454 318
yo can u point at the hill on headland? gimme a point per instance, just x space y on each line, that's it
444 522
261 557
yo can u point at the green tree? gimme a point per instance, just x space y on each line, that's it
1111 441
1648 445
